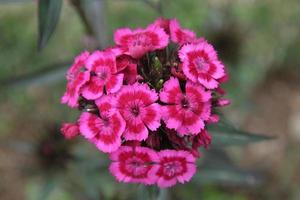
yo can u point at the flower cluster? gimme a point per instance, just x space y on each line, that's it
147 101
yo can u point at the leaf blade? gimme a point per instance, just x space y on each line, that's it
225 135
48 16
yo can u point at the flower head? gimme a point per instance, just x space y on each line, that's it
136 104
186 111
104 76
147 101
77 76
134 164
103 130
175 166
140 41
201 64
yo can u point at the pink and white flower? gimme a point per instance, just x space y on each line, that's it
201 64
134 165
136 104
137 43
185 112
104 76
179 35
77 76
106 129
175 166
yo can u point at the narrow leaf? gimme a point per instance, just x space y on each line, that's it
227 177
224 134
48 16
218 168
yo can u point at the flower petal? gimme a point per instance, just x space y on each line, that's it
114 84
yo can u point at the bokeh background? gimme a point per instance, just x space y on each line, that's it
259 41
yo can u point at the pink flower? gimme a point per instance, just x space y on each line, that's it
134 164
162 23
201 64
175 166
77 76
128 66
106 129
185 112
179 35
69 130
138 42
104 75
136 105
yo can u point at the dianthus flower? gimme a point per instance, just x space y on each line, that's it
147 101
136 104
185 112
104 76
134 164
140 41
201 64
105 129
77 76
175 166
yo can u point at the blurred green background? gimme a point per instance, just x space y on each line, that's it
259 41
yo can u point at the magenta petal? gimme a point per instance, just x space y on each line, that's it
151 116
115 83
93 89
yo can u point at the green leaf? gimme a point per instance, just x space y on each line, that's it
224 135
218 168
48 15
225 176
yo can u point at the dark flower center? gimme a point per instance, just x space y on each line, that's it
103 75
105 121
172 168
135 110
185 103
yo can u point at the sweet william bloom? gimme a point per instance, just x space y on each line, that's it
134 165
137 43
201 64
136 104
69 130
185 112
106 129
104 76
77 76
179 35
175 166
